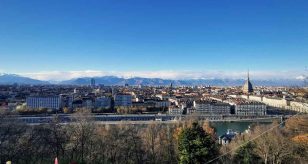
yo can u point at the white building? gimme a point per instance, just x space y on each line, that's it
212 107
250 109
176 111
49 102
158 103
245 107
226 138
271 101
163 96
284 102
123 100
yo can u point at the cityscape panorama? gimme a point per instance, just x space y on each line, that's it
153 82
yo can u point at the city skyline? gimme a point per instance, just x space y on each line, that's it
153 81
153 38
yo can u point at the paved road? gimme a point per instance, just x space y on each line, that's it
142 119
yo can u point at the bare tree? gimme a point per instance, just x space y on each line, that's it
82 133
151 139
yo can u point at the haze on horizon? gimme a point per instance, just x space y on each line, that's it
58 40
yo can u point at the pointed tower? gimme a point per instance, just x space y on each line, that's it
247 88
170 90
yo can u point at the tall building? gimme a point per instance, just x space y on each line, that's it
171 90
247 88
92 82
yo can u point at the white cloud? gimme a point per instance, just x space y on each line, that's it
167 74
1 72
301 77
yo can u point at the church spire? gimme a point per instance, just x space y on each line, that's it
247 88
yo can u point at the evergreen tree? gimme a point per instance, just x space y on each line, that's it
196 146
246 155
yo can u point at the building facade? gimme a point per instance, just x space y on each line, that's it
162 104
246 107
176 111
49 102
123 100
212 107
250 109
103 102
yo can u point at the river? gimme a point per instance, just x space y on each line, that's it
239 126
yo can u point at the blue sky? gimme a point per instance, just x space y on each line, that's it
153 36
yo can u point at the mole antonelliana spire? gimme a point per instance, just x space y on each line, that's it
247 88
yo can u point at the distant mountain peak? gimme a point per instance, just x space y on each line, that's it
114 80
2 74
14 78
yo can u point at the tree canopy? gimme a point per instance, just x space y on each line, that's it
196 146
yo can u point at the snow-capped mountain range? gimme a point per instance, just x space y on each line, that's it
113 80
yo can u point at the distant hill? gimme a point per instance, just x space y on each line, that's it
106 80
113 80
12 78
